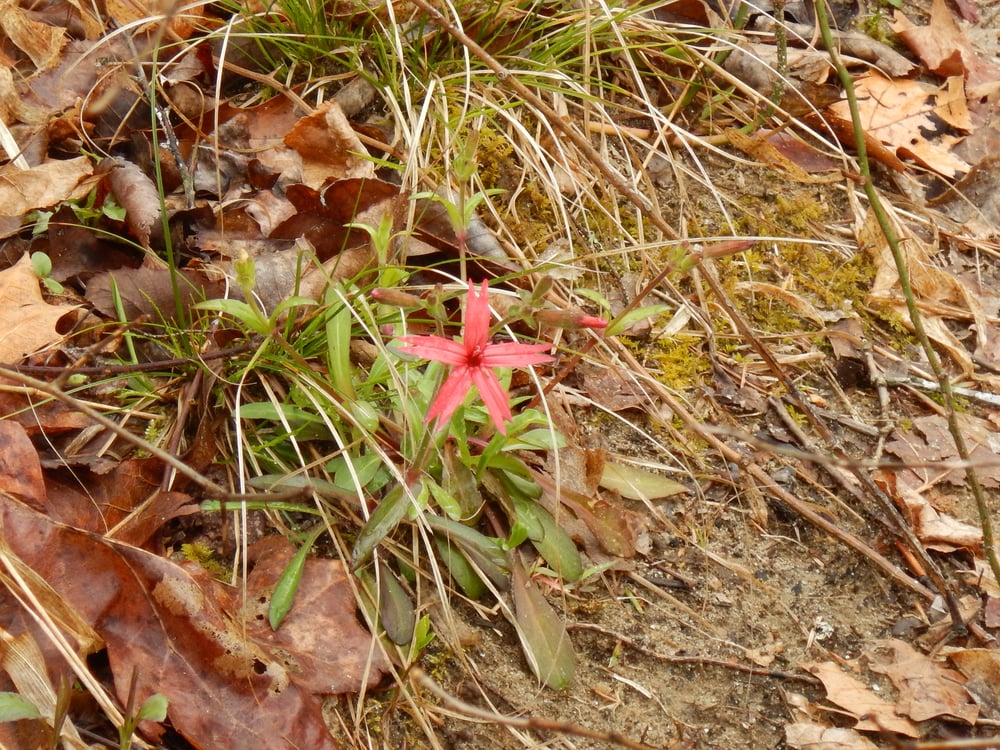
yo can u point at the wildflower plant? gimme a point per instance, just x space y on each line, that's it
420 460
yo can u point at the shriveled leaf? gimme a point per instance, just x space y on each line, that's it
610 524
638 484
873 712
807 735
137 194
543 636
27 322
22 191
41 42
926 688
329 147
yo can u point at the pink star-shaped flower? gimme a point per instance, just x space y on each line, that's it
473 360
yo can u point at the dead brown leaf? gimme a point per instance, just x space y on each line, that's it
329 147
981 667
874 714
906 116
137 194
41 42
27 322
806 735
177 630
944 48
24 190
926 689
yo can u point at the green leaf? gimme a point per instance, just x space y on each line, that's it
382 521
460 568
556 546
288 584
461 483
395 609
14 708
154 708
638 484
240 310
543 636
631 318
338 346
41 264
484 552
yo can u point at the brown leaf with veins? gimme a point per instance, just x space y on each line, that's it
178 631
24 190
944 48
27 322
39 41
329 147
926 689
874 714
323 605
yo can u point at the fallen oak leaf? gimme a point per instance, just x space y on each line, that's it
27 321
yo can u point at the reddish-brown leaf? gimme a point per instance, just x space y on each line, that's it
324 605
20 469
178 630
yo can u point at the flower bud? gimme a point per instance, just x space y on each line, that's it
570 319
396 298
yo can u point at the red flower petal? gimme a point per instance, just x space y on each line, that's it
516 355
477 318
451 395
435 347
494 396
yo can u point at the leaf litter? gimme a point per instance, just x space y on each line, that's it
170 627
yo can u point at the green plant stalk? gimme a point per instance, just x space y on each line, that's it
947 394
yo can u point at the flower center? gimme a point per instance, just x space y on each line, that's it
476 357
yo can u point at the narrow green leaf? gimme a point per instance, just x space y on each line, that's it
460 568
484 552
288 584
556 546
382 521
395 609
338 345
543 636
14 708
